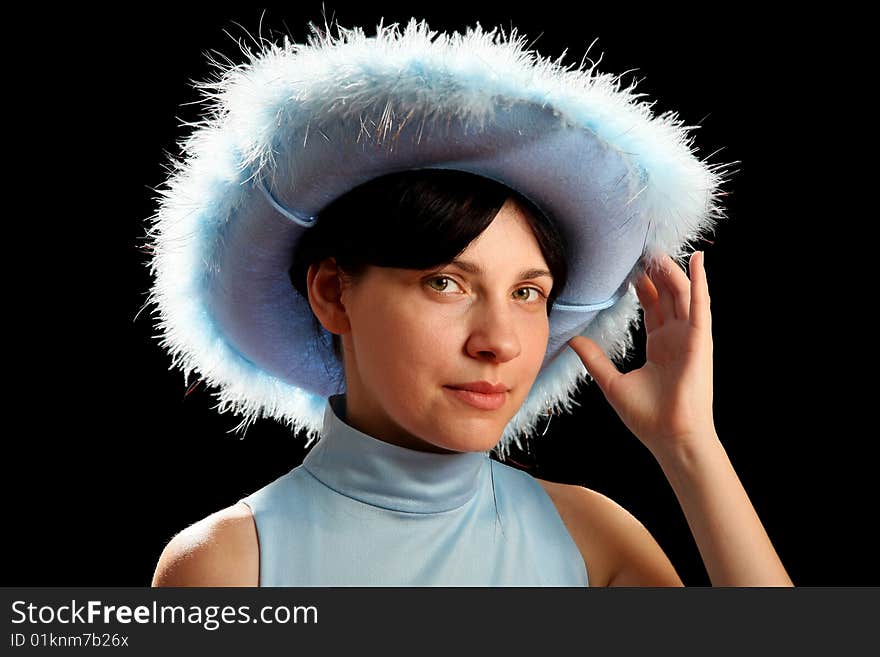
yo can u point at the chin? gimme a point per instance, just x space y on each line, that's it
472 437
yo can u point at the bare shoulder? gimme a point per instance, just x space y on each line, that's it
618 550
219 550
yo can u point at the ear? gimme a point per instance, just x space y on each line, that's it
323 282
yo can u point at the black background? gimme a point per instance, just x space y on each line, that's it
107 458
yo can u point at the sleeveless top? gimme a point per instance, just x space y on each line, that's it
363 512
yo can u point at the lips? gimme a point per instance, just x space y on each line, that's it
481 386
491 401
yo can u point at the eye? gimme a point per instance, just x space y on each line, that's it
440 278
538 293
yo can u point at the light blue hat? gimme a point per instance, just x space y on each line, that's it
301 124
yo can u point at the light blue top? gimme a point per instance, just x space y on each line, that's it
364 512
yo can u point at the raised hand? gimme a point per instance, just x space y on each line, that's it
666 403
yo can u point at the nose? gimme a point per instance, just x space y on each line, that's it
493 334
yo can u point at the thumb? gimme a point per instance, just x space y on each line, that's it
597 363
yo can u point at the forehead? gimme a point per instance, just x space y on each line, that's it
509 236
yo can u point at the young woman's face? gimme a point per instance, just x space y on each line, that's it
415 333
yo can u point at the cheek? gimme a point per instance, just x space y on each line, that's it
425 339
400 344
539 335
534 345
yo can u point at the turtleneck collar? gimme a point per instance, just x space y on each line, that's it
376 472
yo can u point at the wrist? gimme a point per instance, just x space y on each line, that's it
683 453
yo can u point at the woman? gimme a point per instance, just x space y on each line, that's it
430 281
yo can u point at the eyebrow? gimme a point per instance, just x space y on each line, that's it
474 268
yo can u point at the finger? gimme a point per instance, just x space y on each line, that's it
676 282
700 313
649 299
597 363
664 296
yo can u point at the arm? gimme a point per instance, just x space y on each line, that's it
667 404
732 541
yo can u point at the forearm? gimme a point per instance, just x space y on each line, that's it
732 541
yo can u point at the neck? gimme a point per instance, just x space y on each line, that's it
377 472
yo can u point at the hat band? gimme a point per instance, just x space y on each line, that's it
303 220
589 307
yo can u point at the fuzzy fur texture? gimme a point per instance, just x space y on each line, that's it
250 107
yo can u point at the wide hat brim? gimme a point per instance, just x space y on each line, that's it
300 125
